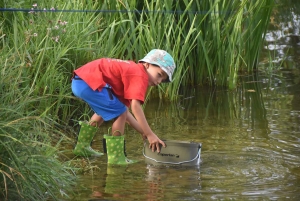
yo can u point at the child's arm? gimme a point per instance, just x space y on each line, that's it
133 123
138 112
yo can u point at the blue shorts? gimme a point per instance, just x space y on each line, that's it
104 103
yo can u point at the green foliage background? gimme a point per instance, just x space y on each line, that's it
211 41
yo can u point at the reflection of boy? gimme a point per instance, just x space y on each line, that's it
110 86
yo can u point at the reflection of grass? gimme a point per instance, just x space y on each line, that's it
253 101
216 107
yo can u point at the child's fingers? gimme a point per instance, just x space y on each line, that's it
154 146
157 147
163 143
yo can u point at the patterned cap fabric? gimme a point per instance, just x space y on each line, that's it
162 59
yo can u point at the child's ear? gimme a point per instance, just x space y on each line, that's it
146 65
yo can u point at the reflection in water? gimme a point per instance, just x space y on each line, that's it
283 37
161 181
250 138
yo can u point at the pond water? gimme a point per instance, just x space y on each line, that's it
250 136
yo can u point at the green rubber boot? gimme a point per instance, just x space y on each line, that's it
85 137
115 150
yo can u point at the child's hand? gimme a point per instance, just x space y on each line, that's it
154 143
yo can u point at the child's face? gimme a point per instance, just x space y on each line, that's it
156 74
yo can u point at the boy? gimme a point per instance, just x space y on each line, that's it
110 86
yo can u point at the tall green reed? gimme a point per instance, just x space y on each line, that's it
30 165
210 46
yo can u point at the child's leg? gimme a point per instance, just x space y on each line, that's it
119 125
96 120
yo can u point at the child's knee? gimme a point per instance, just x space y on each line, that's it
122 117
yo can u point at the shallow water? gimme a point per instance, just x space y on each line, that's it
250 136
250 148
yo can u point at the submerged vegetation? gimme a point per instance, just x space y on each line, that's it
41 44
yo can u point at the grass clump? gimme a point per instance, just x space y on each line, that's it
30 165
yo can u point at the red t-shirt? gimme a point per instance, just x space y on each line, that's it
128 79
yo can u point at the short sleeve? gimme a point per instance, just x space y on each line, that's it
135 86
